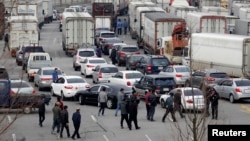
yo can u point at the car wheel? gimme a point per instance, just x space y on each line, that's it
110 104
27 110
163 105
231 98
75 68
52 92
81 100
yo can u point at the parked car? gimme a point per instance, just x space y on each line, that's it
21 87
101 73
132 60
107 43
190 97
125 50
43 77
101 34
233 89
81 55
115 45
160 83
90 63
206 78
152 64
181 73
90 96
67 86
127 78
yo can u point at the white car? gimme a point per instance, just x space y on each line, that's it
90 63
127 78
102 73
187 98
81 55
67 86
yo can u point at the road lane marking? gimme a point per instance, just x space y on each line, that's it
105 137
244 108
148 137
13 137
93 118
9 119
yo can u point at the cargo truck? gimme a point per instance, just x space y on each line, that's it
206 23
77 31
32 7
103 22
102 8
158 30
235 9
215 10
47 11
244 13
181 11
242 27
23 31
225 52
139 21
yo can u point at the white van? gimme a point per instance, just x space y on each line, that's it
36 61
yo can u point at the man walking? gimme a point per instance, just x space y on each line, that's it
64 121
6 42
133 114
56 118
169 108
102 100
119 27
120 97
152 104
124 113
55 75
113 55
125 26
76 118
147 103
214 98
208 94
41 111
177 102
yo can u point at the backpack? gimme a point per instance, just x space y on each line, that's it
169 102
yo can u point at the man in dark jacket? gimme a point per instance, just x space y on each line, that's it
98 52
124 112
132 108
113 56
64 121
41 112
152 99
169 108
76 118
214 97
207 96
6 40
177 102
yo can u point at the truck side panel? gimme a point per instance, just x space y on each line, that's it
242 27
103 21
213 25
244 13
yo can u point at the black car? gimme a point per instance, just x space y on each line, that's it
27 51
90 96
152 64
107 43
132 60
125 50
160 83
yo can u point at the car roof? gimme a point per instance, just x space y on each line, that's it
18 80
48 68
95 58
86 49
155 56
129 46
211 70
72 76
130 71
187 88
111 85
106 31
115 44
157 76
107 65
237 79
178 66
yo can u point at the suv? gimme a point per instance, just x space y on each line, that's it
125 50
152 64
81 55
101 34
26 52
3 73
160 83
207 78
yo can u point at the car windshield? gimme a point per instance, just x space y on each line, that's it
135 58
160 62
242 83
49 72
182 69
218 75
75 80
192 92
113 41
34 49
164 81
108 35
133 75
109 70
97 61
130 49
86 53
126 89
19 85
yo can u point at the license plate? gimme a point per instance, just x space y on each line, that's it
160 68
247 91
165 89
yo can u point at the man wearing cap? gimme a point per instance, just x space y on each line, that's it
214 97
76 118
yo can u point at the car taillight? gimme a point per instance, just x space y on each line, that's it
68 87
128 83
34 92
87 86
121 53
237 90
90 66
12 92
210 79
149 67
157 88
44 79
190 101
178 75
100 75
138 52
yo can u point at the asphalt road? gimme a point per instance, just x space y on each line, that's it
104 128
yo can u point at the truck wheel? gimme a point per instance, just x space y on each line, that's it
27 110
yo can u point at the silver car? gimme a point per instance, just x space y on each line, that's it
180 73
43 77
233 89
102 73
81 55
21 87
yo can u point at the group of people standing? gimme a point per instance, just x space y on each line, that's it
118 25
61 118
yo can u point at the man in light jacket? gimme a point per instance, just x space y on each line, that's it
102 100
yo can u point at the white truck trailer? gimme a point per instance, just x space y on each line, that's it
242 27
103 22
77 31
215 10
32 7
47 11
225 52
139 21
181 11
206 23
235 9
244 13
23 31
